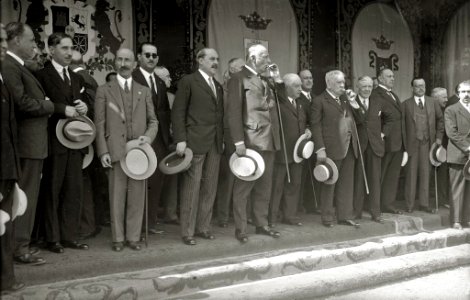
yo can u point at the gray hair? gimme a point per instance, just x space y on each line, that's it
290 78
329 76
437 90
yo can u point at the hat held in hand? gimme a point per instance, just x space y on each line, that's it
75 133
140 161
248 167
326 172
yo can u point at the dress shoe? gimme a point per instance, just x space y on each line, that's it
117 246
427 209
189 240
34 250
378 219
223 224
28 259
327 224
155 231
294 223
393 211
447 206
134 246
267 231
205 235
457 226
55 247
349 223
271 225
74 245
15 287
241 237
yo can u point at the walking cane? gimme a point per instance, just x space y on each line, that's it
146 215
435 187
362 161
313 187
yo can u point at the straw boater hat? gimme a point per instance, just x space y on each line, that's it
303 148
4 218
437 155
140 161
248 167
173 163
88 157
75 133
326 172
20 202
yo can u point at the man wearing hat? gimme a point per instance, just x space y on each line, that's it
254 123
9 174
335 137
424 125
197 118
147 56
294 118
457 123
62 179
124 113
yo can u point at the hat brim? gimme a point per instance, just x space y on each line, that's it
88 157
432 155
465 170
20 202
149 153
259 162
297 158
59 132
183 162
334 177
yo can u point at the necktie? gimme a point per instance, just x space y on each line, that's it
294 103
152 85
66 78
309 97
420 103
391 95
211 83
126 87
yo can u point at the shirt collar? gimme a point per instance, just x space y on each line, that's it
16 57
290 99
58 67
251 69
385 88
362 99
122 81
145 73
1 77
307 94
204 74
417 99
333 96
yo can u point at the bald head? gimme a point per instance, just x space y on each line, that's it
164 75
124 62
293 85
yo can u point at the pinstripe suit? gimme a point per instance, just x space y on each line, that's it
197 118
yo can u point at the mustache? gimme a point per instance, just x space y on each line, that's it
215 66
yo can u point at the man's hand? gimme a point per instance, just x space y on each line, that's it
439 142
321 156
405 159
81 107
351 95
240 150
382 135
308 133
180 147
144 139
106 160
71 112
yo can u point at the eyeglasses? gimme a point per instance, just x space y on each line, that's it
153 55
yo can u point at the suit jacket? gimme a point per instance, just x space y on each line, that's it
33 110
197 116
329 126
435 122
110 118
457 123
59 93
294 120
306 104
452 100
252 115
369 126
161 105
9 161
393 120
90 85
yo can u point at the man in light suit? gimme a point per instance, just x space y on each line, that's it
294 117
124 111
254 123
394 135
457 123
147 57
197 118
424 126
62 177
335 137
33 110
369 129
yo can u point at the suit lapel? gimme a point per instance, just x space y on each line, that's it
333 102
203 83
463 111
114 90
26 71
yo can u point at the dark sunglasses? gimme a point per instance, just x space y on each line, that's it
153 55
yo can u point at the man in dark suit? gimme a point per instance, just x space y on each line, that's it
124 111
294 118
62 178
335 137
254 123
197 118
457 123
369 129
33 110
394 135
9 174
440 95
424 126
310 187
